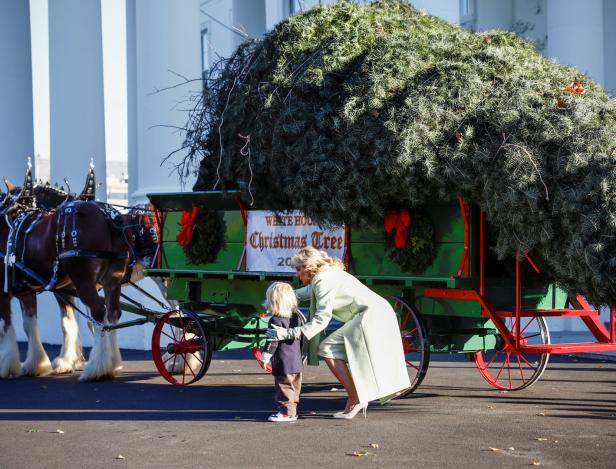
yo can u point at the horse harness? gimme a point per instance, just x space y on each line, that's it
66 228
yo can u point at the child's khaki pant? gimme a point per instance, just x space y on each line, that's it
288 388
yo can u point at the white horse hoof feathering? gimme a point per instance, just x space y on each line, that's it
37 362
100 362
10 365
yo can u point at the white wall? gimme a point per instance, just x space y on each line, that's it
609 32
575 36
16 128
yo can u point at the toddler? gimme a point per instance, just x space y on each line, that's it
284 356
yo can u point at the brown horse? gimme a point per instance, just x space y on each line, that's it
46 198
91 245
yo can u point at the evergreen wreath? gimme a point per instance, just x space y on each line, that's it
419 250
208 237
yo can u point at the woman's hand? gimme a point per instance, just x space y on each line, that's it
280 333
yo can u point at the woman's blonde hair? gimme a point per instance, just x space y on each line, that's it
314 261
280 299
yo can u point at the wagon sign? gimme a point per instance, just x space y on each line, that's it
272 240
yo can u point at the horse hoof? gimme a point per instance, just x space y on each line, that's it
90 375
38 369
62 366
9 370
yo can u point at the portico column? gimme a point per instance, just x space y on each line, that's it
165 49
16 125
76 99
494 15
575 35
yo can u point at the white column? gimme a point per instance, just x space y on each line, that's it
16 125
166 50
494 15
575 35
274 13
77 116
609 20
449 10
249 17
131 99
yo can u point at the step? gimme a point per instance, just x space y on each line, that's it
569 347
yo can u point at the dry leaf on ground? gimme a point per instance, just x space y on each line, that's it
360 453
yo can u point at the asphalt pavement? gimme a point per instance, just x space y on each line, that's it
454 420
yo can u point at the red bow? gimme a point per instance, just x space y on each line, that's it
575 87
398 221
187 223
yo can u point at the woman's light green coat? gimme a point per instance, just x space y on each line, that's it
372 342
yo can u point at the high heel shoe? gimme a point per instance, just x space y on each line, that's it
353 412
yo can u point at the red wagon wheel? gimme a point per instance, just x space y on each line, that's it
414 342
181 347
504 368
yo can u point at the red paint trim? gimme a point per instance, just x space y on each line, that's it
612 325
347 245
568 347
592 322
530 261
482 246
245 220
158 226
518 299
464 264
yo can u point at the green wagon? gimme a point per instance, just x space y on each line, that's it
463 302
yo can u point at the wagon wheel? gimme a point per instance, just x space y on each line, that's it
257 352
504 368
414 342
181 347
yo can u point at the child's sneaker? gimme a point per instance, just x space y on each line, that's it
280 417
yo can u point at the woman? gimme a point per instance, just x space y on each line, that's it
365 354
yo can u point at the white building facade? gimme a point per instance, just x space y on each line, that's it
169 45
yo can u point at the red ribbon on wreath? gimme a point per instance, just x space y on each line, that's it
187 222
399 221
575 87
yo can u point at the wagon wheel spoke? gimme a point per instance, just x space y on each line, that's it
527 362
165 334
526 327
188 365
520 367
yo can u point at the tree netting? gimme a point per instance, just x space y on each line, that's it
349 110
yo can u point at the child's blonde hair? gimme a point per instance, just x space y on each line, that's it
280 299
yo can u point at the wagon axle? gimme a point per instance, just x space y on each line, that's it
185 346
